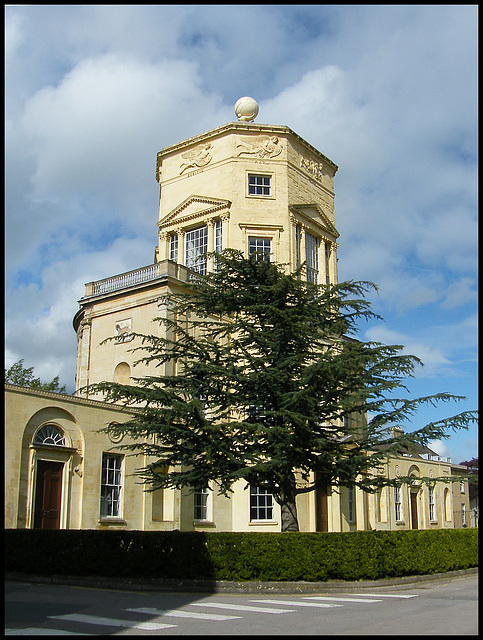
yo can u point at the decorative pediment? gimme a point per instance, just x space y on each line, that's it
314 214
194 207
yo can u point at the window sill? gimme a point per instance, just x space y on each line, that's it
120 522
204 523
257 523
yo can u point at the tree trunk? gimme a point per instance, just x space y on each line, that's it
287 505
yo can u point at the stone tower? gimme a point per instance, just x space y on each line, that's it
247 186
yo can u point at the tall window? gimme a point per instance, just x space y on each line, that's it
431 504
196 242
397 503
111 484
298 242
463 514
327 262
173 247
261 504
201 504
260 248
312 257
218 236
259 185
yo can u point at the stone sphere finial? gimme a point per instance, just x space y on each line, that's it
246 109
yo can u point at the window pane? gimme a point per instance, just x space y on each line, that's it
49 434
111 480
218 236
196 242
173 247
259 185
260 248
261 504
201 505
312 257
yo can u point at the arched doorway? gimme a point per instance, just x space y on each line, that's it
414 489
48 494
47 497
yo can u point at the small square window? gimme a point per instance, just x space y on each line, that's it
259 185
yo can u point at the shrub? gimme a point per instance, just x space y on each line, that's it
312 557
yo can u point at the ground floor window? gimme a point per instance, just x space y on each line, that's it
261 504
111 485
397 503
201 504
432 512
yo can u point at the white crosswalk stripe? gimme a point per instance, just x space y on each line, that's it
37 631
112 622
259 606
341 599
240 607
176 613
387 595
299 603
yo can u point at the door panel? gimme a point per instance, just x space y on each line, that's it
414 510
322 513
48 495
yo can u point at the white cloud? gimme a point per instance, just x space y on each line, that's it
388 92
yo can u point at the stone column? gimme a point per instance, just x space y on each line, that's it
181 256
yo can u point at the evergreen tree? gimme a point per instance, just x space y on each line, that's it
263 379
24 377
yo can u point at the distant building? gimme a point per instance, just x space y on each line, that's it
247 186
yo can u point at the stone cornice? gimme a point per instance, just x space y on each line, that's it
63 397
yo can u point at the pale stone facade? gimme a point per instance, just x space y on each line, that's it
245 186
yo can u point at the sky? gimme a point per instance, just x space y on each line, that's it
387 92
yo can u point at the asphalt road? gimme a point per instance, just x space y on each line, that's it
426 608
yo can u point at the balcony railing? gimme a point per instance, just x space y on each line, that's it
136 277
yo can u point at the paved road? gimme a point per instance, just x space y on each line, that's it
430 608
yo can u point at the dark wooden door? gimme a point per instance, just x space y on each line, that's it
414 510
48 495
322 513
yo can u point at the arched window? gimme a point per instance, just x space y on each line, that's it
50 434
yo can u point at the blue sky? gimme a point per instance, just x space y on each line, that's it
388 92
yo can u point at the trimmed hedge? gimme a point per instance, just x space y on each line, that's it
311 557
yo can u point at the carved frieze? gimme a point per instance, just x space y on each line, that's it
196 158
316 169
123 330
266 147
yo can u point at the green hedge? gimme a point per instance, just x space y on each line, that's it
312 557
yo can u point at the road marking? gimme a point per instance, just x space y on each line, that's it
239 607
386 595
299 603
175 613
344 599
37 631
112 622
